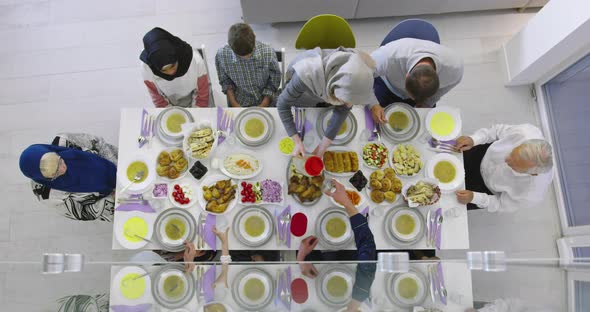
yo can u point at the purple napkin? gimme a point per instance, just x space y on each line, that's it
136 308
210 238
441 282
135 207
369 123
208 281
286 227
365 211
438 227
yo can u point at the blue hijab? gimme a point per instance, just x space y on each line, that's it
86 173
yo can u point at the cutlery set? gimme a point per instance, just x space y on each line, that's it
147 131
434 222
436 280
283 228
284 287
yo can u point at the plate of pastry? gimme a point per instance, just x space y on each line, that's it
384 187
341 162
199 140
171 164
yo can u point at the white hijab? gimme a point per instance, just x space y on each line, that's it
340 75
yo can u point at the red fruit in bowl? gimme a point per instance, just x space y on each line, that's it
176 187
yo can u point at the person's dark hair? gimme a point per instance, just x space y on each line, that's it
241 39
422 82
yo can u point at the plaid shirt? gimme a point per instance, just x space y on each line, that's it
250 79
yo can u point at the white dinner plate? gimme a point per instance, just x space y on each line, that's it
453 113
343 174
117 286
189 128
137 187
237 176
391 163
326 275
119 228
459 170
239 289
392 287
166 114
183 173
361 203
209 181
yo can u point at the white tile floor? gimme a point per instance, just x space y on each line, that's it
68 65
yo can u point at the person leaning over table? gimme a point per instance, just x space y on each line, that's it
173 73
341 77
506 167
76 174
248 69
413 71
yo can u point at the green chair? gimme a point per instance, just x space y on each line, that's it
326 31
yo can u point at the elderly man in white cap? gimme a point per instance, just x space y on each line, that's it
506 167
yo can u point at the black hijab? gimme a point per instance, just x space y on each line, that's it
162 48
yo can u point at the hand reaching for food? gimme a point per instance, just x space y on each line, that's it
340 195
464 143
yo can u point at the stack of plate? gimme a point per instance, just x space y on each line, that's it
400 135
325 227
348 128
334 285
408 289
252 116
176 215
164 134
258 219
253 289
404 226
172 288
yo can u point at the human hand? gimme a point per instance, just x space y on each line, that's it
306 247
190 252
464 196
340 195
309 270
464 143
378 114
298 150
221 235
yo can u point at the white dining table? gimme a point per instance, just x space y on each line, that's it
457 282
454 233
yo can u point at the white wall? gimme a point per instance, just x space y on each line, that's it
554 38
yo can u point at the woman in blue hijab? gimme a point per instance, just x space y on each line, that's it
68 169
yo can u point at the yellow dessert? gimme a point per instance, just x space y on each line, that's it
254 127
254 289
337 286
254 226
131 286
135 226
134 168
442 124
335 227
174 121
286 145
445 171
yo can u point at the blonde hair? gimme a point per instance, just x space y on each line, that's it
49 164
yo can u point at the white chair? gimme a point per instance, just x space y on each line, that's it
201 51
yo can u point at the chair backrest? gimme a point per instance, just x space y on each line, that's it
281 59
326 31
201 51
412 28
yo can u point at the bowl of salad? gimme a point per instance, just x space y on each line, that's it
374 155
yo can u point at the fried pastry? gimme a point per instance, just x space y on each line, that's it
347 167
354 161
377 196
176 154
164 158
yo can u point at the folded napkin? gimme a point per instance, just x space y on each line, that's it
135 207
210 237
438 228
369 122
136 308
441 282
365 211
285 228
208 281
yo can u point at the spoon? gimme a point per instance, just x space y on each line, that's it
127 281
138 176
128 233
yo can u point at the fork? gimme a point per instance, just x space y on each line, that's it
286 287
376 133
281 229
286 220
444 146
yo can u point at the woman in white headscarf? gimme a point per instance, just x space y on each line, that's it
341 77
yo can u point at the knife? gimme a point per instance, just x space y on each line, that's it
202 222
199 233
302 113
432 230
431 284
428 226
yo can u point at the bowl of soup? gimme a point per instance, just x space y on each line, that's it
335 284
130 168
172 121
448 170
406 225
443 123
407 289
333 227
173 227
253 289
253 225
173 288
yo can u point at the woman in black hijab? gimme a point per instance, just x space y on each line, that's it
173 74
